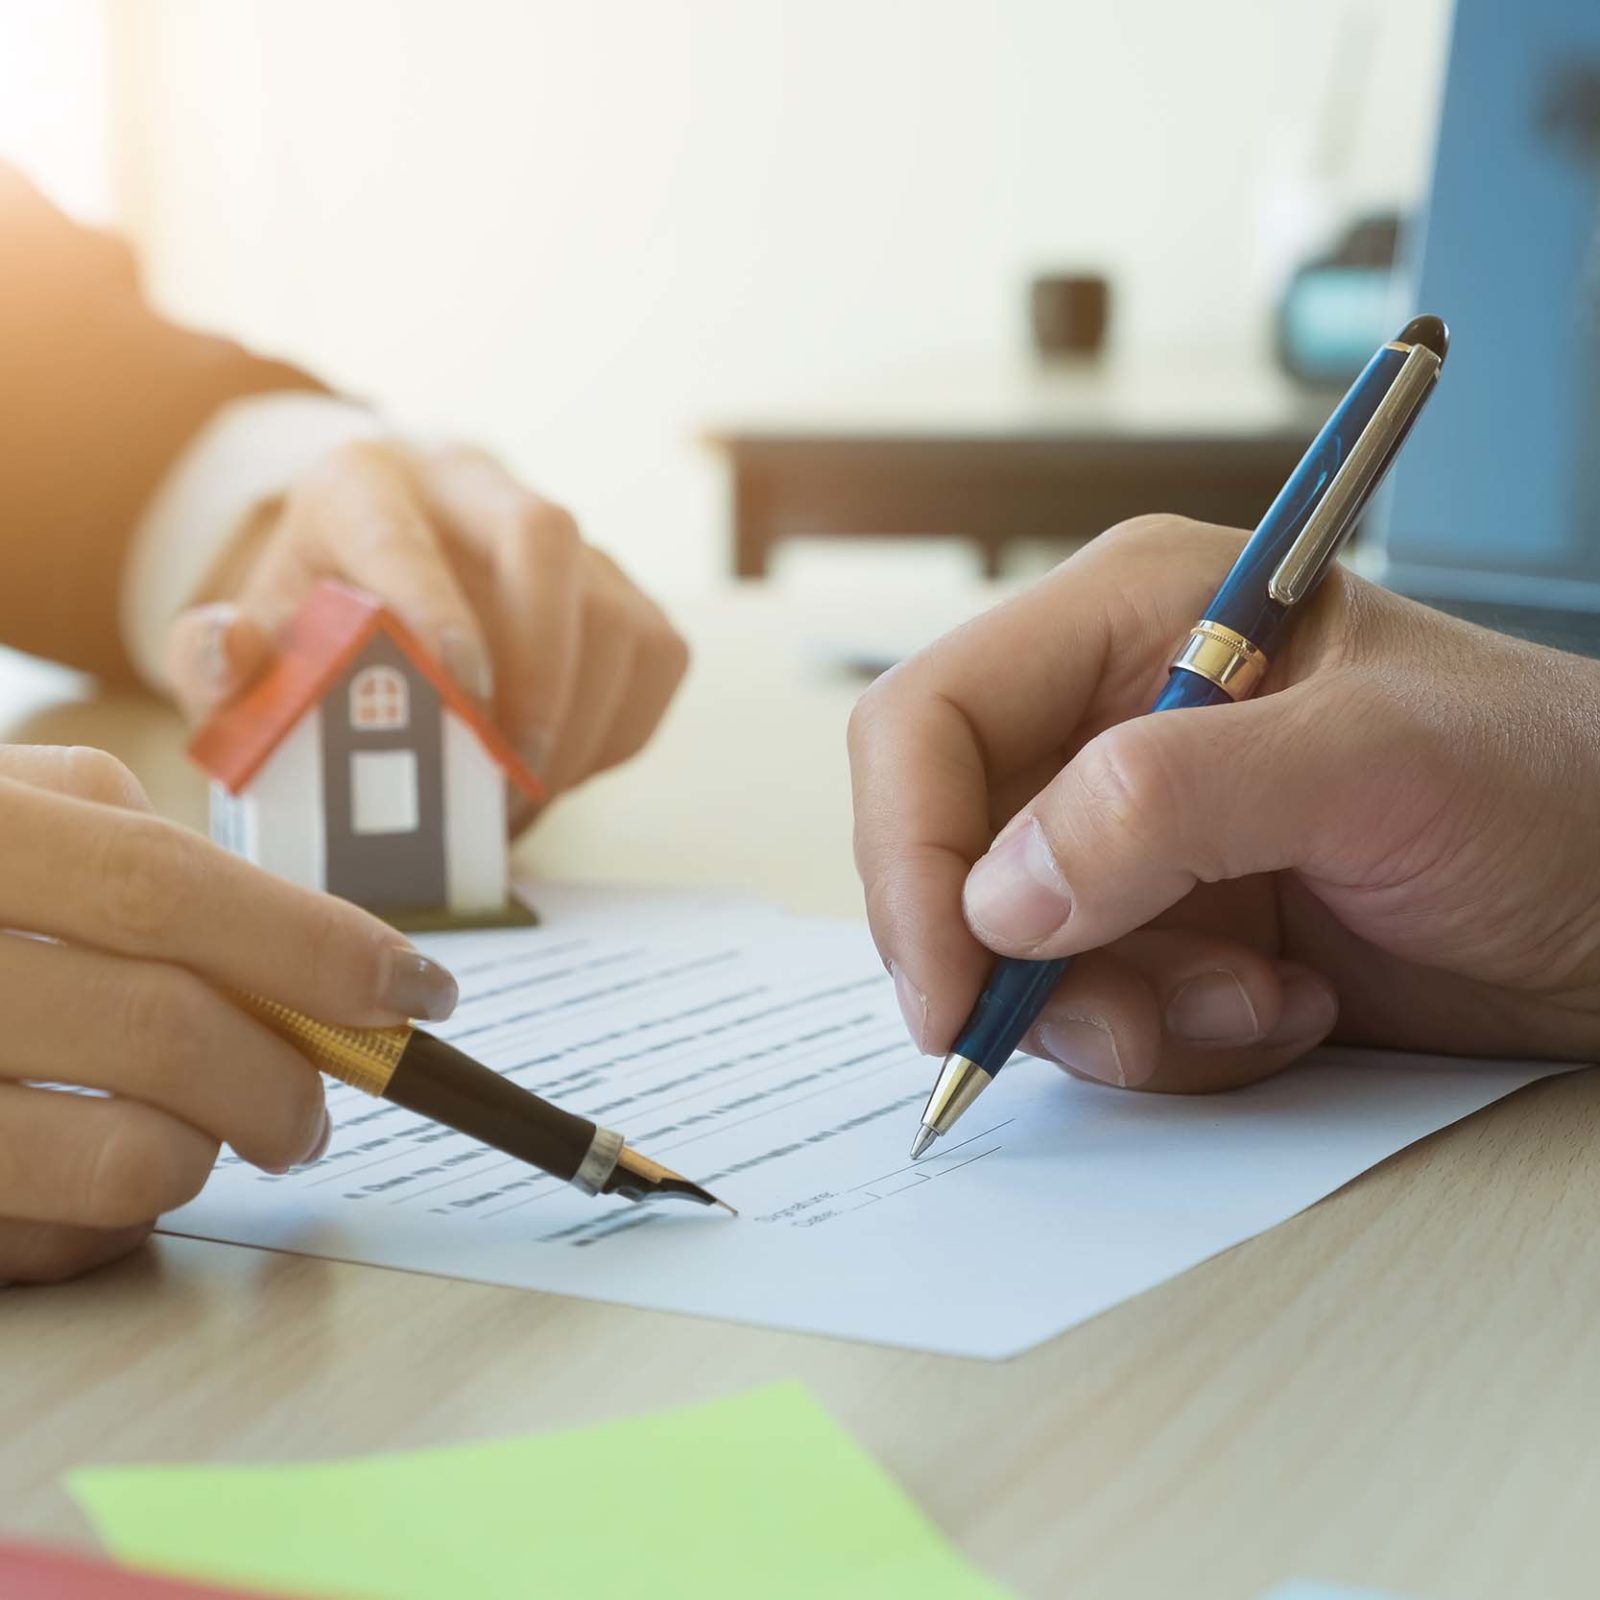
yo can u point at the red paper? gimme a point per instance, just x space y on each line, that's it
30 1572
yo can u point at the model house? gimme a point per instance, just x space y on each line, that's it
358 765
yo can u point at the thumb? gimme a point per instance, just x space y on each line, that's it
1146 811
214 652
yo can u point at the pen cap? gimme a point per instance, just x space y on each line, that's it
1428 331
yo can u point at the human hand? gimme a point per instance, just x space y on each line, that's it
122 931
576 663
1396 842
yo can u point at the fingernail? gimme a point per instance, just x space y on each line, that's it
1310 1009
216 666
536 750
1212 1008
467 662
1010 828
913 1007
1086 1045
415 985
1016 895
320 1148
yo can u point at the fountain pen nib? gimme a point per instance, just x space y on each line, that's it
640 1178
925 1137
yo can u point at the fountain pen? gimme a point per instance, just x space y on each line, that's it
1230 648
414 1069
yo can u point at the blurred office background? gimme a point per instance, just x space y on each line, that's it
586 235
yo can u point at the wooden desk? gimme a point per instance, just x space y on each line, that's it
1398 1389
1027 450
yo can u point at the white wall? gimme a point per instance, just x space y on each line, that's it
474 822
579 231
289 827
55 100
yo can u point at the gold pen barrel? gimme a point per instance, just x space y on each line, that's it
440 1083
365 1058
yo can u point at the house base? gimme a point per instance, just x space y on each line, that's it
440 919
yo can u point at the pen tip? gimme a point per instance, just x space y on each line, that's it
925 1137
639 1178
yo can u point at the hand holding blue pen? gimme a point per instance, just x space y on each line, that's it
1228 652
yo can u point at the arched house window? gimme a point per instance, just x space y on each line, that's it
380 700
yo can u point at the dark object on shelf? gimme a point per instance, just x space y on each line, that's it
1070 313
1339 305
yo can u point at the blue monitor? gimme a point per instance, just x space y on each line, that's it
1497 497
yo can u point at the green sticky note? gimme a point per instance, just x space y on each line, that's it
759 1494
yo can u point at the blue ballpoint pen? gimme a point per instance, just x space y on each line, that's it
1229 649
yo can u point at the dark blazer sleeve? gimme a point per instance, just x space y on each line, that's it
98 396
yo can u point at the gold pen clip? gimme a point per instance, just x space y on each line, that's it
1325 530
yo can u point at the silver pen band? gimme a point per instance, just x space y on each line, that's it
599 1161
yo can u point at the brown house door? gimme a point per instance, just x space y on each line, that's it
383 782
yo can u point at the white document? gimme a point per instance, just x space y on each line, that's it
764 1056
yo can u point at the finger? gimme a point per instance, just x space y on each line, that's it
606 661
660 661
358 515
1092 641
1182 1012
158 1034
74 769
1006 693
921 799
214 653
533 563
95 1163
45 1252
630 688
139 886
1152 807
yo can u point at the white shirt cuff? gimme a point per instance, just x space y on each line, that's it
250 452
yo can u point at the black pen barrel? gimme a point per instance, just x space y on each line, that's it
439 1082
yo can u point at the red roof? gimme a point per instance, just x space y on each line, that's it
333 626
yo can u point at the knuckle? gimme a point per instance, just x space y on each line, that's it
1155 529
147 869
550 529
164 1025
95 775
339 951
462 456
130 1178
607 612
1176 542
878 703
329 472
858 729
351 458
671 653
1128 784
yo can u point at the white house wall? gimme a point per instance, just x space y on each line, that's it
290 838
233 821
474 821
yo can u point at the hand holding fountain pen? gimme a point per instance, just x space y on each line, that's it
424 1074
1229 649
